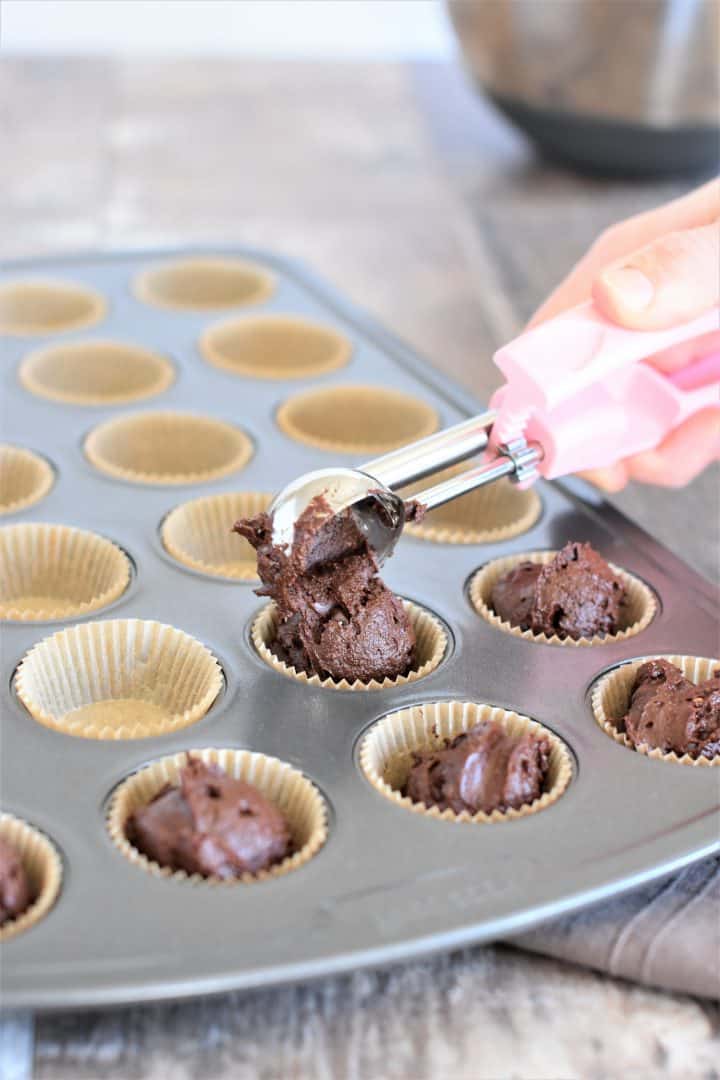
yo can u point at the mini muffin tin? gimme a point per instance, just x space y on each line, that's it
386 884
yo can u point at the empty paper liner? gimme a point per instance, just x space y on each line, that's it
167 448
356 419
495 512
204 284
95 373
386 753
25 478
57 572
43 867
296 797
47 307
118 679
199 534
275 347
431 644
638 610
611 700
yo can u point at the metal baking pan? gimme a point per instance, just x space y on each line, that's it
388 884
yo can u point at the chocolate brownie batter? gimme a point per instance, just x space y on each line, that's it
576 595
483 769
668 712
15 892
335 615
212 825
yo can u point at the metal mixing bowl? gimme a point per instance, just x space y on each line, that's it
623 86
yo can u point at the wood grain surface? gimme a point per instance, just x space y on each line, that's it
414 198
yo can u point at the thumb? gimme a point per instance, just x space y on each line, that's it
668 282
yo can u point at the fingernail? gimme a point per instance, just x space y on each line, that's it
630 286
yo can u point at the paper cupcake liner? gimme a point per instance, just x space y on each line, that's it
118 679
275 347
25 479
204 284
199 534
43 867
487 515
57 572
611 698
431 644
387 748
167 448
95 373
292 793
47 307
640 602
356 419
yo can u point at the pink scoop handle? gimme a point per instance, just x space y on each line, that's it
576 386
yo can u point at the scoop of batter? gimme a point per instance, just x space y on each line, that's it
15 891
336 616
483 769
212 824
575 595
668 712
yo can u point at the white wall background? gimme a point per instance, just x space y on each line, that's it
382 29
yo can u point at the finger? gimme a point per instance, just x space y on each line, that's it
699 207
611 479
683 455
665 283
686 353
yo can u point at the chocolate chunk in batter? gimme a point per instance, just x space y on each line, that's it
668 712
576 595
483 769
212 824
336 617
16 894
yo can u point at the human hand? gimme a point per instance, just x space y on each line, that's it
652 272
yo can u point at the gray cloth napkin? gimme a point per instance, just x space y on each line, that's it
665 934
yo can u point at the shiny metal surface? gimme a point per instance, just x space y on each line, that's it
589 78
380 513
517 462
447 447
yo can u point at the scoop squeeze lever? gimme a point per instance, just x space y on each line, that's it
575 386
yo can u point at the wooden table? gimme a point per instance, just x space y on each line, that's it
398 185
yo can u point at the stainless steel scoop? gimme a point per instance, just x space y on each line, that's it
369 489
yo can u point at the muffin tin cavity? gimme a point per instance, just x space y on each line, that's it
204 284
118 679
488 515
639 609
386 753
57 572
95 373
295 796
43 866
610 700
275 347
47 307
25 479
432 641
167 448
199 534
356 419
